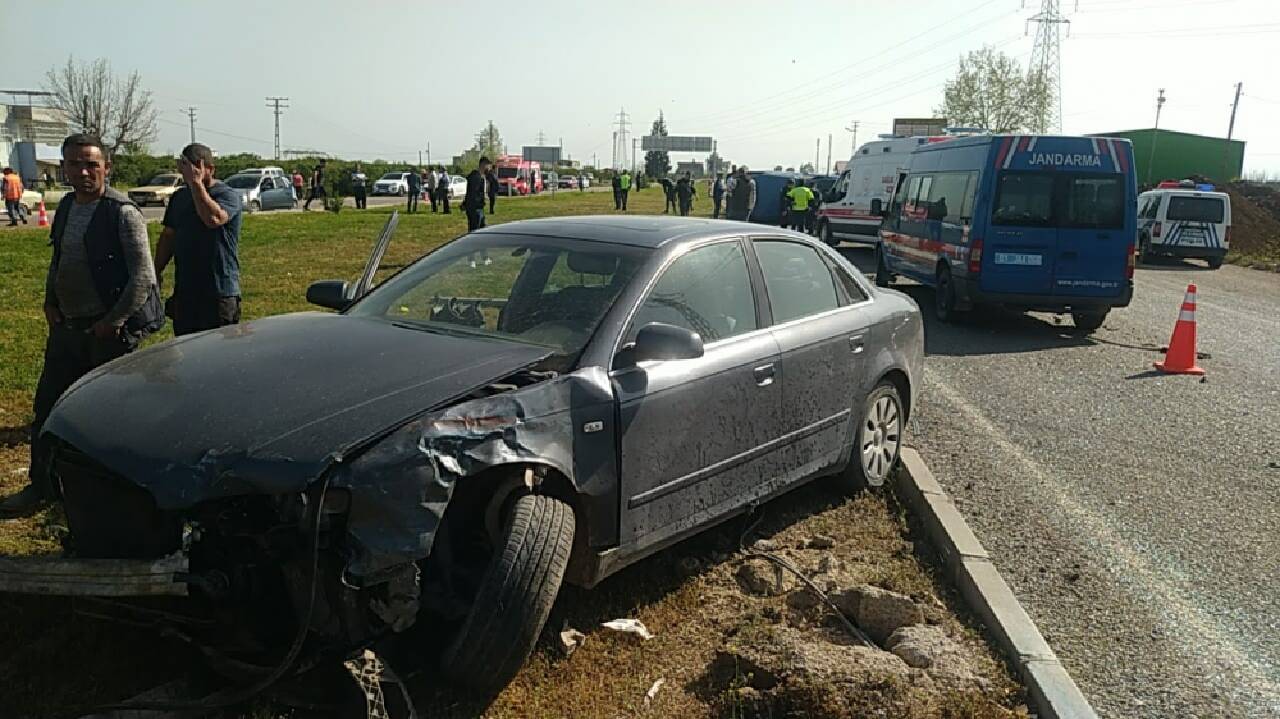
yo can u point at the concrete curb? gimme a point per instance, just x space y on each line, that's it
1051 690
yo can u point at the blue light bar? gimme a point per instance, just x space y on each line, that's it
1204 187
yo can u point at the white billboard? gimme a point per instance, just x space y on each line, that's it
676 143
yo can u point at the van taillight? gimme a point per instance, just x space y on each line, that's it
1227 239
1155 230
1131 262
975 257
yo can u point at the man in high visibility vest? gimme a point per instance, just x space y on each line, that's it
11 189
801 197
625 184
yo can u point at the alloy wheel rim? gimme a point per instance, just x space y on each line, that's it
881 438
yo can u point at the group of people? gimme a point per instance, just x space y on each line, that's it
102 288
621 189
798 201
679 194
736 194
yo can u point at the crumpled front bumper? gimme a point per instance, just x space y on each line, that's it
59 576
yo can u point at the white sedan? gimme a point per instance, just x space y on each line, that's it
29 201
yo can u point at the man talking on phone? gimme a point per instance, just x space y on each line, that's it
202 236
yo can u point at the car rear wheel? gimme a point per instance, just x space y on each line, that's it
1089 321
515 596
944 296
877 440
1214 262
884 277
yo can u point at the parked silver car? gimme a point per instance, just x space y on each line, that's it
263 192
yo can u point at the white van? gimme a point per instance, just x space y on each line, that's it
263 171
1183 219
851 210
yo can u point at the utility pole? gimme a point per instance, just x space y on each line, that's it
542 138
419 158
828 153
854 129
1231 128
1155 134
817 153
428 152
275 104
191 115
1045 58
633 155
620 140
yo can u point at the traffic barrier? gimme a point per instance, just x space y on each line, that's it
42 217
1181 356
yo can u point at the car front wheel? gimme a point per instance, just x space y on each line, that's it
877 440
514 597
884 277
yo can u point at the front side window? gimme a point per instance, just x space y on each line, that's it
707 290
1196 209
798 280
547 292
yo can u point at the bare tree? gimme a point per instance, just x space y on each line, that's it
117 109
991 91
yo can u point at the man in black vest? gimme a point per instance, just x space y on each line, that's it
473 203
442 190
100 295
202 236
491 186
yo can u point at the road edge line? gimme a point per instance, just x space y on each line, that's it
968 566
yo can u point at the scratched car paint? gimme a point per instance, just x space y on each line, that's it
632 380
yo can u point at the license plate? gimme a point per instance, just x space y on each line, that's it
1018 258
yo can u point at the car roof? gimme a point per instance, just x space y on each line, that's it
638 230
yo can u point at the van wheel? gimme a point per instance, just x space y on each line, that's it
944 296
877 440
1089 321
824 231
1214 262
884 277
515 596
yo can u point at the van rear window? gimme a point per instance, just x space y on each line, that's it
1196 209
1059 199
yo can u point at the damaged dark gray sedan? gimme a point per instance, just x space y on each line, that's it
536 402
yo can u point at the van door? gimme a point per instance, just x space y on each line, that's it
1093 240
1022 244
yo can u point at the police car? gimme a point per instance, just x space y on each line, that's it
1184 219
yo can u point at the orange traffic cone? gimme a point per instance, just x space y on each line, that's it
1181 356
42 218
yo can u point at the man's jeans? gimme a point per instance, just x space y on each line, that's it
14 209
411 202
475 218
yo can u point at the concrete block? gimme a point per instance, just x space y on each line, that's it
992 599
913 464
1053 693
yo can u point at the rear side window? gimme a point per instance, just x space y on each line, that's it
707 290
1196 209
798 280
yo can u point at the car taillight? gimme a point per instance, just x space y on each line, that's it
1131 262
1155 230
975 257
1227 240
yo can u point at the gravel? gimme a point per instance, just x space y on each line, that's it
1134 514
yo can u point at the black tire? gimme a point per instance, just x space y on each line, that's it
944 296
1144 251
1089 321
514 597
1214 262
824 231
884 277
856 478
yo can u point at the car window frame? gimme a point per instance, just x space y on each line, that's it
762 292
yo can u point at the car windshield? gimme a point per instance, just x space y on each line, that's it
243 182
163 180
393 176
542 291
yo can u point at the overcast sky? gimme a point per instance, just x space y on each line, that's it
380 79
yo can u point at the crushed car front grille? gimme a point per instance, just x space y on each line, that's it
110 517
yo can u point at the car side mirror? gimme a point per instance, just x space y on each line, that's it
334 294
660 341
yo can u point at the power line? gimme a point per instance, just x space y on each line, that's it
1046 59
274 102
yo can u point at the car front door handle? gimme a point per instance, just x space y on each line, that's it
764 374
856 344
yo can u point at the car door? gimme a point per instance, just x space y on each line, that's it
695 434
269 194
821 325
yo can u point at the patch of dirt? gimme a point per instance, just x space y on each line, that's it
1255 222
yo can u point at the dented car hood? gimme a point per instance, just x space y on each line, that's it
266 406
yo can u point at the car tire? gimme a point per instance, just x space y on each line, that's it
1089 321
884 278
515 596
1144 251
824 231
1214 262
944 296
877 440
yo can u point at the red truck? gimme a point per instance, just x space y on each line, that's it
518 176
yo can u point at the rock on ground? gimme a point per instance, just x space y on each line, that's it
878 612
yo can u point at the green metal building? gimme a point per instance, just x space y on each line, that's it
1181 154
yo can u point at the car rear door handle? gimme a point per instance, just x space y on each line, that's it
764 374
856 344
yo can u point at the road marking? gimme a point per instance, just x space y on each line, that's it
1186 623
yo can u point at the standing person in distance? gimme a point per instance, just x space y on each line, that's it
684 193
801 198
11 189
491 186
415 188
429 179
317 185
442 189
669 193
299 185
100 296
202 236
626 187
473 202
742 198
617 191
784 204
717 195
358 181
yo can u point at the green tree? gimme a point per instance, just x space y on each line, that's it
489 142
657 163
991 91
807 169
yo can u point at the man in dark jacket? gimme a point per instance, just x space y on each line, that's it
742 200
100 296
442 190
414 180
491 185
685 192
617 192
473 203
317 186
717 195
668 191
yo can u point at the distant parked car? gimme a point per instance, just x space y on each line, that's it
264 171
157 190
263 192
569 182
392 183
457 186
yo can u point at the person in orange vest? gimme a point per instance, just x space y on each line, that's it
11 190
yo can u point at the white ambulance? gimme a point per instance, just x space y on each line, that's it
1183 219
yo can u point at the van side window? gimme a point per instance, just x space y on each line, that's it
947 195
1153 207
970 195
908 188
917 206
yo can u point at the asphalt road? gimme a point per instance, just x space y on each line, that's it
1134 514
